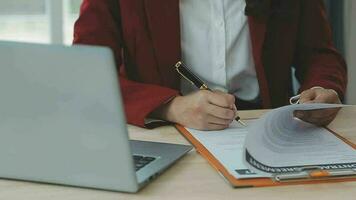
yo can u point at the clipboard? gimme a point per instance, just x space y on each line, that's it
309 175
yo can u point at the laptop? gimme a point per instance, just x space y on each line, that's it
62 121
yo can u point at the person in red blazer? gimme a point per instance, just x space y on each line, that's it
146 40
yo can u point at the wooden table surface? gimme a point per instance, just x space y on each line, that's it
192 177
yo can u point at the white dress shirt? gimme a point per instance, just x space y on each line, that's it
216 45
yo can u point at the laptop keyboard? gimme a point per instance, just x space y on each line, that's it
141 161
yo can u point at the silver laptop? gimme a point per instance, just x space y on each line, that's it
62 121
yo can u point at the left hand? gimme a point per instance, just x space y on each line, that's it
320 117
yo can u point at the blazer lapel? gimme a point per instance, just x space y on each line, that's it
164 28
258 32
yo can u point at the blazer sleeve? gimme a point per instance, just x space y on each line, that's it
317 62
98 25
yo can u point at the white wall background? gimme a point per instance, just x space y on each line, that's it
350 36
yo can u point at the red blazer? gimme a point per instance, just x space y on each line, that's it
150 32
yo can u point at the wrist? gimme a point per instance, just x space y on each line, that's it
166 110
169 112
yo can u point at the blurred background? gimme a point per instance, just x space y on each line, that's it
52 21
40 21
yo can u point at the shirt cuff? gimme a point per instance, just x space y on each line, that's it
151 123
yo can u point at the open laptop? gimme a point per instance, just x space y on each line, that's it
62 121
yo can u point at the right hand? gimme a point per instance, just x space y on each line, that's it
202 110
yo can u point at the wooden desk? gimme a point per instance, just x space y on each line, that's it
192 177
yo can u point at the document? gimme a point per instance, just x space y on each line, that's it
227 146
277 143
280 143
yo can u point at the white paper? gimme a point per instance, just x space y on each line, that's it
279 140
227 146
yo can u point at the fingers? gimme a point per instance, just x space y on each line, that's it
213 127
210 122
327 96
318 121
216 120
319 95
316 114
321 117
307 96
221 99
220 112
203 110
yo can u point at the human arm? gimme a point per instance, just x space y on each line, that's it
318 64
98 24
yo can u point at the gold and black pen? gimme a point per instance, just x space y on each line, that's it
195 80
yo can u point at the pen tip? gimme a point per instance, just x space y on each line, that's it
242 123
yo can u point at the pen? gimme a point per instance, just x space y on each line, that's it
195 80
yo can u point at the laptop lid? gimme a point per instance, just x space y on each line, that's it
61 117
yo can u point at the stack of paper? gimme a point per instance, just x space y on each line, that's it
280 143
277 143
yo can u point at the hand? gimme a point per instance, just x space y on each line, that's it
202 110
320 117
